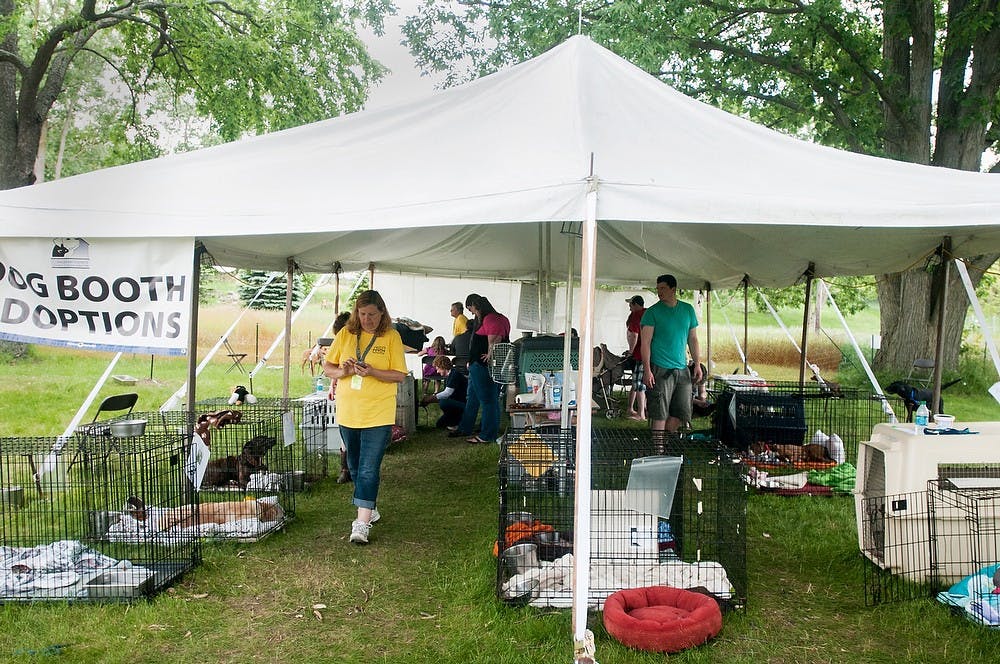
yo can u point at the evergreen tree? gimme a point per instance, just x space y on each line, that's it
273 297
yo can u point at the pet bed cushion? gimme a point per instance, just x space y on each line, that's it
661 619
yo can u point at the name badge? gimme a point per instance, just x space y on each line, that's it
356 382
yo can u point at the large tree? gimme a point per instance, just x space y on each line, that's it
913 80
247 66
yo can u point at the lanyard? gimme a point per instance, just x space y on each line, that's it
361 356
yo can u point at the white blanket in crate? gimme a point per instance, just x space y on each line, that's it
555 579
55 569
128 529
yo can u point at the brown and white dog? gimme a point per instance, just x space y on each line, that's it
314 357
787 453
221 512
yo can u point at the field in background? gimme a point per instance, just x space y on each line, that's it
59 380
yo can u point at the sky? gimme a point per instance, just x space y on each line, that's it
404 82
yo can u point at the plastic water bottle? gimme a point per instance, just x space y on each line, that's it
320 387
550 383
921 417
556 394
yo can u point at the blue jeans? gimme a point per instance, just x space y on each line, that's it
365 449
482 390
451 412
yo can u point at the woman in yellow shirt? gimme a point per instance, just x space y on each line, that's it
366 359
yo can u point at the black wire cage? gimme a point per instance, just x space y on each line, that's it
63 506
665 510
244 473
936 543
311 423
754 417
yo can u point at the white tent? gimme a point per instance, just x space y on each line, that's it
449 183
477 180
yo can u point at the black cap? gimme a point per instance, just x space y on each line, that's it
636 299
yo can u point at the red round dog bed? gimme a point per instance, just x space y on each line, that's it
661 619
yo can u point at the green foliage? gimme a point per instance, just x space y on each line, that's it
12 351
274 295
203 71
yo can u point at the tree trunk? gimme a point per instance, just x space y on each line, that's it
909 330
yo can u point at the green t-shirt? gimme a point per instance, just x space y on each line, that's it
671 325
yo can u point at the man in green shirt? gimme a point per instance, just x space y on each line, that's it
666 328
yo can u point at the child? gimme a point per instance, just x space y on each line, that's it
431 379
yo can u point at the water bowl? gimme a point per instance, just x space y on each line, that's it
944 421
520 593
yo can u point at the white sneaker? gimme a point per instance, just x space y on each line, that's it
375 516
359 532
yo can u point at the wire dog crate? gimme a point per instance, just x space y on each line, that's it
309 418
664 511
62 506
247 476
933 541
785 413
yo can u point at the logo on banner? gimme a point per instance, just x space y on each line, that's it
71 253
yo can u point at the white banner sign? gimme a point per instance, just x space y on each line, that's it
114 294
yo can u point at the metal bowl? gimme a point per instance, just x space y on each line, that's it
128 428
521 593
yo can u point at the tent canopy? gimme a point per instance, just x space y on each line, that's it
468 181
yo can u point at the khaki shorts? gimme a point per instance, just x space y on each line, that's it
670 395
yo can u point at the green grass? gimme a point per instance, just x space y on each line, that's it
423 590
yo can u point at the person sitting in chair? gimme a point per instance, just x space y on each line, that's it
452 398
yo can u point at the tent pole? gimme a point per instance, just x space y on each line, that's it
539 305
708 328
810 271
199 250
336 295
371 276
286 374
582 637
942 304
567 337
746 325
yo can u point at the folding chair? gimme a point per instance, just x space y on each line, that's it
114 404
924 369
237 358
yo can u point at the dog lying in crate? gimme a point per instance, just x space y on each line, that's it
786 453
185 516
236 470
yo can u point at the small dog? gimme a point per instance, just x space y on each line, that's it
223 512
236 470
207 421
787 453
314 357
912 396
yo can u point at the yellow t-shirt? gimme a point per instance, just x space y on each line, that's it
460 326
375 403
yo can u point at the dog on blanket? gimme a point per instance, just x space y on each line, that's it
236 470
912 396
787 453
223 512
